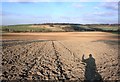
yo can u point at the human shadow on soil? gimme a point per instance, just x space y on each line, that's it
91 73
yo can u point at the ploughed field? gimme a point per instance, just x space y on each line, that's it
58 56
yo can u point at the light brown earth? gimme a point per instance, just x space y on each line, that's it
49 56
90 36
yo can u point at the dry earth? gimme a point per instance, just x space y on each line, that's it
58 56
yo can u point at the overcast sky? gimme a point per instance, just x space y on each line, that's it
59 12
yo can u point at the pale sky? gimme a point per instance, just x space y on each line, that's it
23 12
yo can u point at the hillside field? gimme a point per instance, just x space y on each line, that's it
60 28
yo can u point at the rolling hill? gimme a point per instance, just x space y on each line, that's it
60 27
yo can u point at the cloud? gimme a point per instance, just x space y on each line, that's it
91 19
111 0
102 14
19 15
110 5
59 1
101 17
64 17
4 13
100 20
97 8
19 0
26 2
77 5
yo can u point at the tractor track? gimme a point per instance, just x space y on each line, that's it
48 60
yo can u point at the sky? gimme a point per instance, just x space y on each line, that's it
17 12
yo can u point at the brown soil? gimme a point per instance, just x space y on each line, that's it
58 56
60 36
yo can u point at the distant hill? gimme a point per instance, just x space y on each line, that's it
60 27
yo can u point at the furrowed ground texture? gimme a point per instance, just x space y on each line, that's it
58 59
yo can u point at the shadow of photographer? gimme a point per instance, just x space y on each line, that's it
91 73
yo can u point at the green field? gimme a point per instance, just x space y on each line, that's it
22 28
60 28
